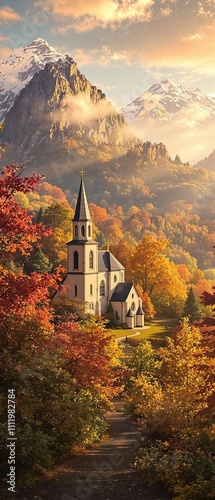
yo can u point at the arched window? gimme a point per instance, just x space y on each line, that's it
91 259
102 288
75 259
115 278
91 289
92 306
82 230
89 231
76 231
133 307
76 290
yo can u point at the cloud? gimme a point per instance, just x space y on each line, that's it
8 15
189 134
78 105
89 14
206 9
194 37
103 56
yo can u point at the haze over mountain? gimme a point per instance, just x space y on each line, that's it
59 122
184 119
208 162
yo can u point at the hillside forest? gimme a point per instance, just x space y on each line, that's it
51 356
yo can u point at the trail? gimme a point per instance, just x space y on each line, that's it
105 472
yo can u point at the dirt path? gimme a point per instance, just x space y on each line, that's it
106 472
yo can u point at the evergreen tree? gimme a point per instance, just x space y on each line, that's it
177 159
191 307
37 262
39 215
101 239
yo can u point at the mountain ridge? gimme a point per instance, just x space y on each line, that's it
19 68
181 118
60 123
168 99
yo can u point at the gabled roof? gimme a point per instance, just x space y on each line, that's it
121 292
82 210
107 262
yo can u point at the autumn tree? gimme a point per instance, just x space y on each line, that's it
170 401
208 299
59 219
158 277
147 306
38 354
122 250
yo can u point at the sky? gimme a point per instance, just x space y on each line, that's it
122 46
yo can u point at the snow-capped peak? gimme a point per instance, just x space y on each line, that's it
165 100
18 69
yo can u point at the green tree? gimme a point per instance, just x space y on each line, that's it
40 215
101 239
58 216
192 308
37 262
177 159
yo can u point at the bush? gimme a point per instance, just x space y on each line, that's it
187 473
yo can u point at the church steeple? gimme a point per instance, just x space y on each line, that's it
82 223
82 212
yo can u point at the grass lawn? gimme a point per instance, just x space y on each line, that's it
156 332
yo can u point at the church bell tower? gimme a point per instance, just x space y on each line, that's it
82 255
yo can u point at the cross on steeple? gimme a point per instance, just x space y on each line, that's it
82 173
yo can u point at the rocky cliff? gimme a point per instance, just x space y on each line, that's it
60 107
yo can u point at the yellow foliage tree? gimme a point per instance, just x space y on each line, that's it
158 277
174 398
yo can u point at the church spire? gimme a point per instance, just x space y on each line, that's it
82 212
82 223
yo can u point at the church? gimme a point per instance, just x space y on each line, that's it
96 276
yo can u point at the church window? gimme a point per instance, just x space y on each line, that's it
76 290
115 278
76 231
91 289
91 259
133 306
75 259
117 315
102 288
82 230
132 295
92 306
89 231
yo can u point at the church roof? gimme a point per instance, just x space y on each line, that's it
121 292
82 210
129 314
140 311
107 262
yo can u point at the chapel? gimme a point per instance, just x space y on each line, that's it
96 276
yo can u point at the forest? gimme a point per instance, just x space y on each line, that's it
51 355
